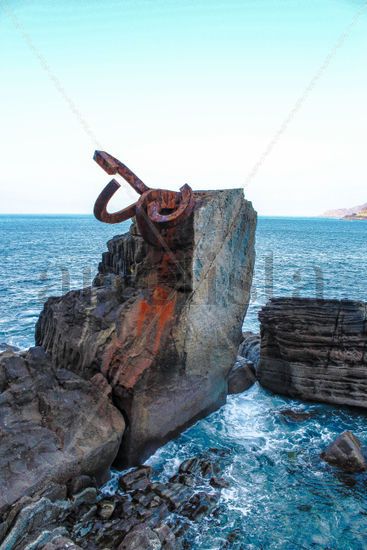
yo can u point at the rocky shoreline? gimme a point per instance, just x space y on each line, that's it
144 512
142 515
125 365
59 504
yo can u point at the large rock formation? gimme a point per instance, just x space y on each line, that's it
54 426
162 325
315 349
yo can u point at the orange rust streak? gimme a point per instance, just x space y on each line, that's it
157 314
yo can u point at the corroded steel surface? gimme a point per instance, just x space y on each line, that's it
156 209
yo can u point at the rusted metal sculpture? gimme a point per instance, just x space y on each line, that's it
155 210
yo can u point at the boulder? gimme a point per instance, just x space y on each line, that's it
141 537
250 348
315 350
241 376
162 325
137 479
345 452
54 427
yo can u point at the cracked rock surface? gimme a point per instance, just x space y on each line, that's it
54 426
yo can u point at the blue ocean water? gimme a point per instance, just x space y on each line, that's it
281 496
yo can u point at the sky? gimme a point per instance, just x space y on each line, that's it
269 95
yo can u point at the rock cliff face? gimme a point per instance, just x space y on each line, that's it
54 426
163 326
315 349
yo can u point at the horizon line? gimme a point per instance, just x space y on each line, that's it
315 216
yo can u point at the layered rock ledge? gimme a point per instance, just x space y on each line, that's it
315 350
162 325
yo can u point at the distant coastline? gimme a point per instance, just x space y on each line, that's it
355 213
362 215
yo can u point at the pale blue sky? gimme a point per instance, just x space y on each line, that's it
183 92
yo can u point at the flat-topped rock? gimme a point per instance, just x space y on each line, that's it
315 350
162 325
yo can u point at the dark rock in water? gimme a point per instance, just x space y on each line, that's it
175 494
233 536
219 483
7 347
201 466
297 415
54 427
241 376
315 349
304 507
185 479
199 505
345 452
250 348
163 326
138 479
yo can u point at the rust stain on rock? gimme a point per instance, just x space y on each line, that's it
156 315
141 335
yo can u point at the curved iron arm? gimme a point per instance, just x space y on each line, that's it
113 166
100 207
156 208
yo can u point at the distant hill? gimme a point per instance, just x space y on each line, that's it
343 212
361 215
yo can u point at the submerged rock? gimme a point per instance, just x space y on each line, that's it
163 325
346 453
297 415
54 427
315 349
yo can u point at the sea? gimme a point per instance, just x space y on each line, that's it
280 494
